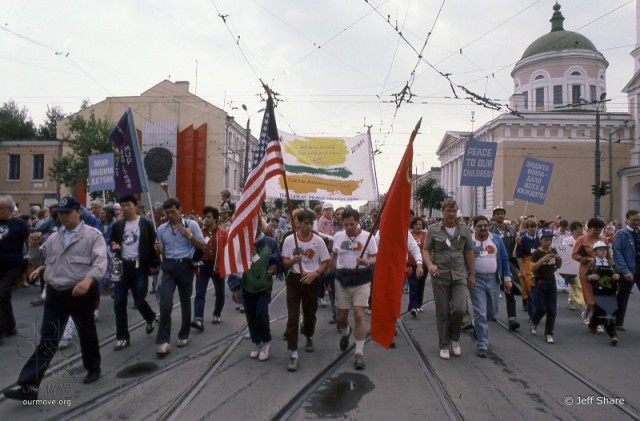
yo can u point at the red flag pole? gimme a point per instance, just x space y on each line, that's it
414 133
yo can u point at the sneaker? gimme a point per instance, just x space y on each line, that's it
150 327
182 343
121 344
322 302
163 349
600 329
533 328
455 348
265 352
572 306
241 309
256 351
64 343
293 364
344 340
414 313
215 320
614 341
358 362
309 345
444 353
197 324
549 339
513 324
96 315
482 353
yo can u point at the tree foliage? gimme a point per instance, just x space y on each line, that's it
86 137
430 195
15 122
48 129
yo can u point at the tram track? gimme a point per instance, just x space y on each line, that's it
593 385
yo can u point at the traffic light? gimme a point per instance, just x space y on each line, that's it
604 188
594 189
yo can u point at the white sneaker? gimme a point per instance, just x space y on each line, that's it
265 352
600 329
96 315
254 353
455 348
444 353
550 339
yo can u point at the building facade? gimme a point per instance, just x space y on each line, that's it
186 141
559 92
24 165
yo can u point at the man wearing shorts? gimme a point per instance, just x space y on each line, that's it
354 274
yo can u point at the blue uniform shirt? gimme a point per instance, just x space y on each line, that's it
177 246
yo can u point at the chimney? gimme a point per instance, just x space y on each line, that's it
183 86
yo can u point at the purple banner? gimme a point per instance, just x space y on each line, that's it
129 175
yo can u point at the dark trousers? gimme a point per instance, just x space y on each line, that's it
297 293
136 280
510 299
8 279
623 295
546 296
180 275
202 282
416 289
600 317
256 310
58 306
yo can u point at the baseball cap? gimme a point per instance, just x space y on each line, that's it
600 244
68 203
546 232
499 208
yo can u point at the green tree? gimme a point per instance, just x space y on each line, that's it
48 130
430 195
15 122
86 137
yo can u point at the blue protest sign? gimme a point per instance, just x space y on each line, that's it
478 163
533 182
101 172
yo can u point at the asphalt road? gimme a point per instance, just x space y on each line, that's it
581 376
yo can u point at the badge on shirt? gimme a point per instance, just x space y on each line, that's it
483 253
448 243
255 258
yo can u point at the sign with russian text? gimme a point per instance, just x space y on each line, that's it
478 163
533 182
101 172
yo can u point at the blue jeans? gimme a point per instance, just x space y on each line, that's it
485 297
136 280
180 275
206 272
256 309
416 289
58 306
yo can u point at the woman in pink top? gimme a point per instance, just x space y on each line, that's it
583 253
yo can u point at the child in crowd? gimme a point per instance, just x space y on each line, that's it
603 275
545 260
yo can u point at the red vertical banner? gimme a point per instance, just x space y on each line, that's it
199 164
185 169
81 192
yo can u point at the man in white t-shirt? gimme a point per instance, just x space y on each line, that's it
311 254
132 240
353 275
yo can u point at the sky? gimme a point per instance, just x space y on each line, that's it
339 66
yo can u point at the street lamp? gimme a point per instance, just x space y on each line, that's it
596 196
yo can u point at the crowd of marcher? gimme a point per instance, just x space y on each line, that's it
327 257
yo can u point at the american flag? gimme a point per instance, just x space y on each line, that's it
267 163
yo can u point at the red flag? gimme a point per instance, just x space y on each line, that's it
392 253
267 163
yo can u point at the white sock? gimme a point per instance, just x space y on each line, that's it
346 331
360 347
294 353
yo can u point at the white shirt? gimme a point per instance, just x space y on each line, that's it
349 248
314 252
131 239
485 254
